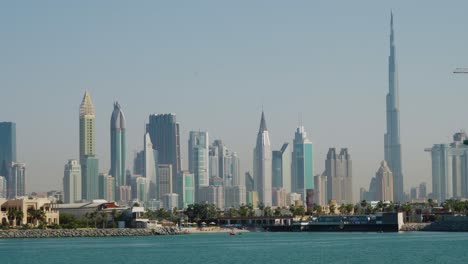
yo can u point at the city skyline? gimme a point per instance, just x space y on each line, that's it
368 88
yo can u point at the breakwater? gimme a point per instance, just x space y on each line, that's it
112 232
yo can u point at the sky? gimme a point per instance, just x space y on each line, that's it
216 64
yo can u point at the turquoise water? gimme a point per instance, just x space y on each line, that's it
245 248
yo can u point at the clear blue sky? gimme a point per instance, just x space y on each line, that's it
215 63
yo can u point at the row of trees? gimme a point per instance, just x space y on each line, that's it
35 217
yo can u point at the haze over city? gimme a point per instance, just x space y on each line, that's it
216 65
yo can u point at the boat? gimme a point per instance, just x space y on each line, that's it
232 233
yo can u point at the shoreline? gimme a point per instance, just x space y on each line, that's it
208 230
88 232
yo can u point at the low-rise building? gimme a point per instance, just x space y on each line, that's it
25 210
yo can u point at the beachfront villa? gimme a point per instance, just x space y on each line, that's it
27 210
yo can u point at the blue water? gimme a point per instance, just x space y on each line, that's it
245 248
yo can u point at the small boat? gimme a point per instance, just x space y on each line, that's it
232 233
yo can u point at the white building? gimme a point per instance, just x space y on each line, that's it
262 164
170 201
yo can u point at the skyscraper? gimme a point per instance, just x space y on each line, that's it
164 132
302 163
89 163
392 137
7 142
164 179
282 168
198 153
72 181
118 147
16 184
87 128
384 180
338 169
150 169
262 164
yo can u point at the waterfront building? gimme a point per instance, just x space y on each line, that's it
338 169
392 136
72 181
170 201
118 145
449 169
234 196
198 153
384 182
262 164
164 179
279 197
3 187
281 171
320 191
150 169
23 204
185 188
164 132
302 163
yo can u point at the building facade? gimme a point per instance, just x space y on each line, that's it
164 179
150 169
7 143
198 154
281 171
320 191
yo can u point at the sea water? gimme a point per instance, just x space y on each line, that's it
249 248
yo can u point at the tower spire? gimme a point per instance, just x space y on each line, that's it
263 126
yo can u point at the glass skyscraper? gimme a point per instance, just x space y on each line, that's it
198 153
302 163
164 132
118 146
263 164
7 142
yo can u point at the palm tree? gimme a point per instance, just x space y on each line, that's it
11 216
318 209
277 212
18 216
342 208
332 208
36 215
267 211
261 206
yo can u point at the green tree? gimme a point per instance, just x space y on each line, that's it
243 210
277 211
37 216
342 208
332 208
267 211
349 208
318 209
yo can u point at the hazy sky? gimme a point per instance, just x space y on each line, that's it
215 63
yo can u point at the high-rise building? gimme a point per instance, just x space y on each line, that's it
141 189
320 191
118 146
234 196
392 137
16 184
185 188
139 163
449 169
338 169
164 132
225 164
213 195
198 153
150 169
164 179
384 181
279 197
282 168
7 142
87 128
124 193
72 181
170 201
302 163
414 193
89 163
90 178
249 182
263 164
3 187
422 190
107 187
